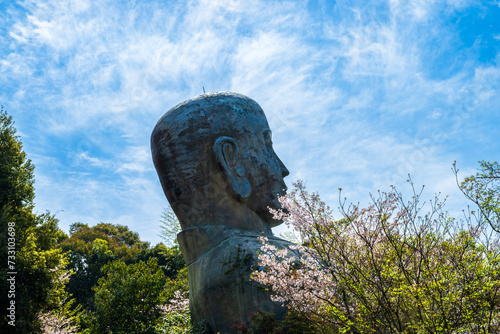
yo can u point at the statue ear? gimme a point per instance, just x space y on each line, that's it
226 154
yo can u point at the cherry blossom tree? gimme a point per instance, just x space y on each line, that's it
386 268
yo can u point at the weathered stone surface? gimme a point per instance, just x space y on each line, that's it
218 169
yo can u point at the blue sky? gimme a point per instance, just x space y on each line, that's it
358 93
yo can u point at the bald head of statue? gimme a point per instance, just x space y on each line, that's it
215 160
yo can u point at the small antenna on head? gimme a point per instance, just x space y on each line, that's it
203 90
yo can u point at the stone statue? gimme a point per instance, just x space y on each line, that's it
216 164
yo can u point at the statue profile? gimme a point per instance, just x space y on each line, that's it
216 164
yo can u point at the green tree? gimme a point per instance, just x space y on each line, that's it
90 249
127 297
35 258
40 264
483 189
16 198
16 171
170 260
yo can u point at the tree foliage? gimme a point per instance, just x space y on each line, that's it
483 189
36 260
170 259
16 171
127 297
98 252
386 268
91 248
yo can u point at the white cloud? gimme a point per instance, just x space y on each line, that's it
136 159
349 93
95 162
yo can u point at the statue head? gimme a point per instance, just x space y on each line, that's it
216 163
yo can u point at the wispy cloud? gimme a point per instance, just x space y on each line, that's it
357 94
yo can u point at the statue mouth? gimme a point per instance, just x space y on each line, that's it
283 190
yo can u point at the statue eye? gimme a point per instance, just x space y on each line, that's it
267 138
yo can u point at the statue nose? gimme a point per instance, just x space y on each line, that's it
284 171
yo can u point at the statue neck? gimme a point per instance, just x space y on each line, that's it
196 241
